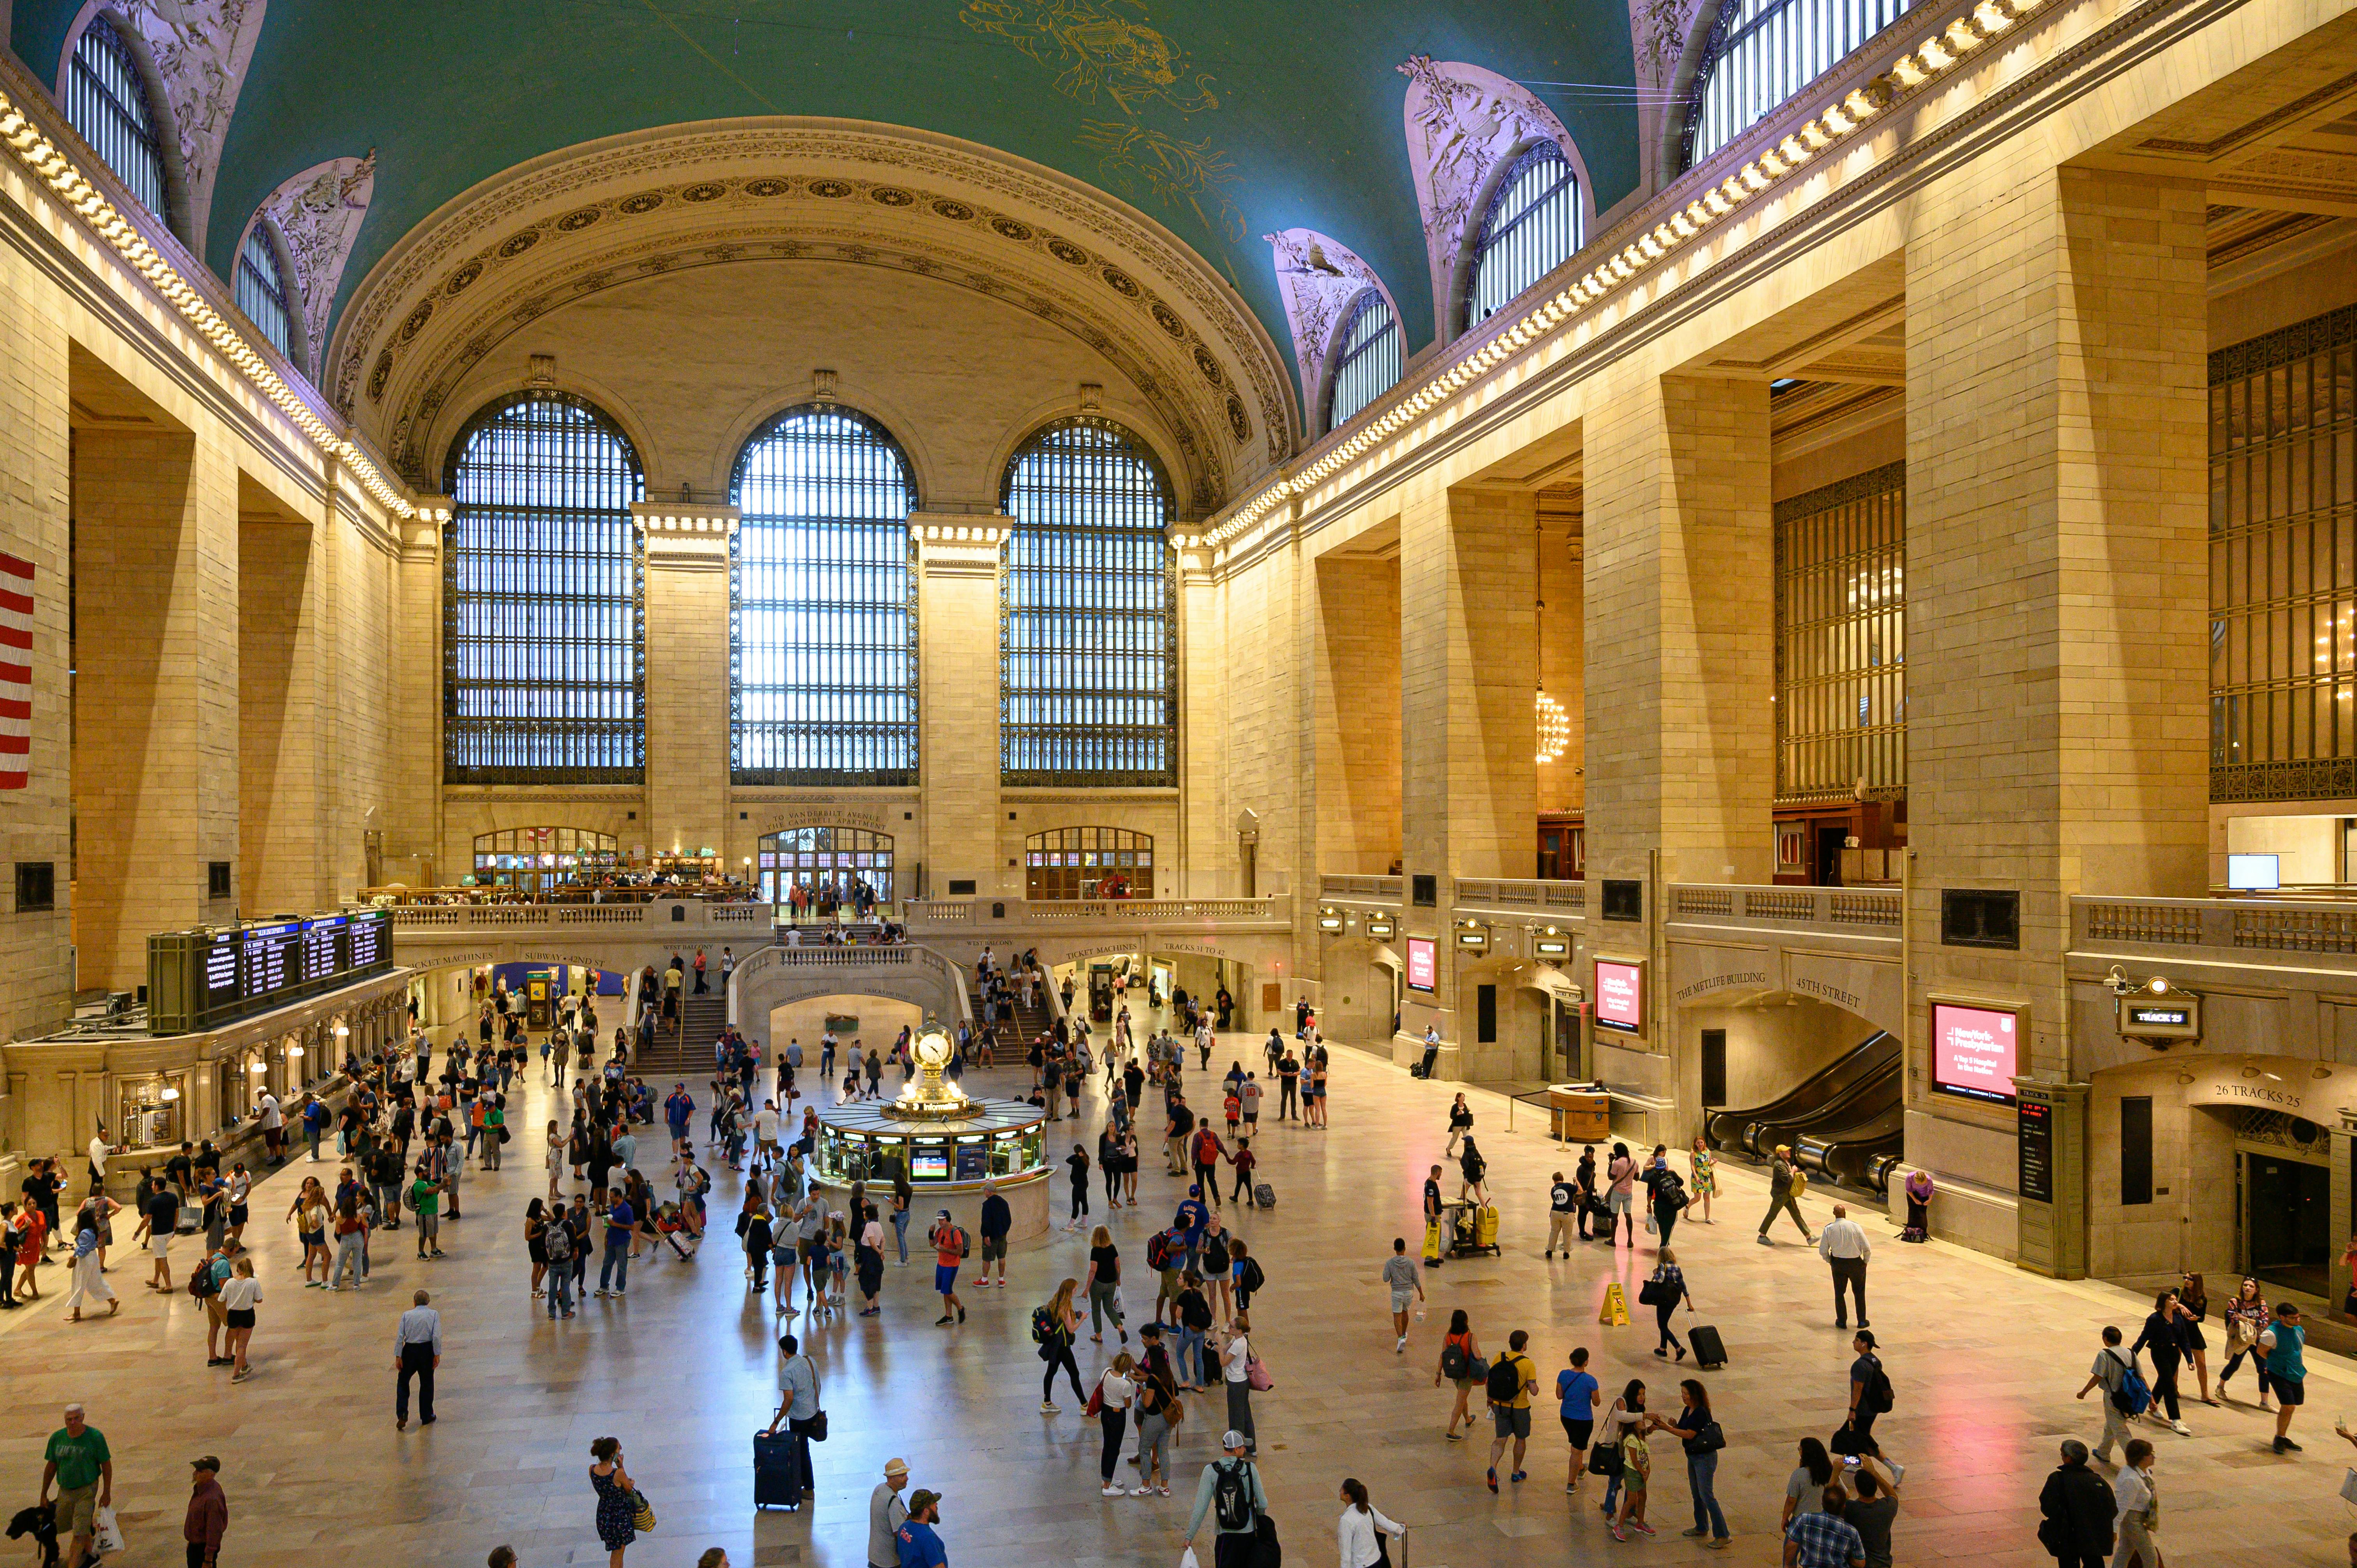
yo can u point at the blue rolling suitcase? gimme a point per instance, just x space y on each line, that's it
777 1470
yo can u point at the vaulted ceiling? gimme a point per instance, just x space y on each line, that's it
1221 119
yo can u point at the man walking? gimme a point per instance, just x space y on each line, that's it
417 1353
1781 1179
886 1514
77 1463
1870 1390
2282 1341
920 1545
1563 1215
1407 1281
2079 1509
1513 1381
1843 1245
207 1517
1231 1491
2111 1368
949 1251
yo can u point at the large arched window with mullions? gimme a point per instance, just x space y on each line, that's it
1367 362
1088 655
1761 52
108 102
544 657
1533 226
823 631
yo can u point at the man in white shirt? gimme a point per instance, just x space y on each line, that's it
886 1514
273 1127
765 1133
1843 1245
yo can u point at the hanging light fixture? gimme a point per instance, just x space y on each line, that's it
1554 729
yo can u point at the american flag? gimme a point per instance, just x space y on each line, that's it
15 673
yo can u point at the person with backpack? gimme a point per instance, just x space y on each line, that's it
950 1247
1870 1390
1054 1327
1785 1185
1207 1152
2078 1509
2124 1392
1232 1493
1665 1195
204 1285
1511 1381
556 1246
1461 1363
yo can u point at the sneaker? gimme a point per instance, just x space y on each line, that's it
1139 1492
1617 1535
1493 1478
1520 1476
1109 1491
961 1314
2286 1446
1162 1491
2179 1428
1696 1533
943 1318
1764 1240
1400 1348
1642 1525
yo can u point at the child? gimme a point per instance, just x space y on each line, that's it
851 1086
1234 1107
1243 1159
1636 1467
838 1258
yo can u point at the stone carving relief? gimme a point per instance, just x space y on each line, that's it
1658 33
1317 277
319 215
1462 123
200 49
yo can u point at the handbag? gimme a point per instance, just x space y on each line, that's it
1604 1459
2348 1487
813 1428
1256 1376
643 1514
1096 1398
1653 1293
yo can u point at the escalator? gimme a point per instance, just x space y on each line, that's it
1844 1122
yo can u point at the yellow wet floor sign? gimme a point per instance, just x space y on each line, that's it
1616 1306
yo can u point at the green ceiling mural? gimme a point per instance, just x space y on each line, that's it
1222 119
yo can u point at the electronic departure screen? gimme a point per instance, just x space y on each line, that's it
323 943
367 947
274 959
222 953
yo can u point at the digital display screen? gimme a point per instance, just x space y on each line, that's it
322 948
1421 966
2162 1017
2255 873
367 946
929 1164
1975 1051
274 958
1620 996
221 952
254 968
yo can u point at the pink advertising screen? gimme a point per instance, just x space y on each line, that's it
1620 996
1974 1051
1419 963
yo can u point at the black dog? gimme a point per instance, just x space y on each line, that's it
41 1524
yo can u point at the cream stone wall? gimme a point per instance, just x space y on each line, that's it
1359 714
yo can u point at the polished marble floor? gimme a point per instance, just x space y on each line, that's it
1985 1360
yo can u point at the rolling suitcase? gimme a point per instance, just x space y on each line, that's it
777 1470
1264 1194
1709 1349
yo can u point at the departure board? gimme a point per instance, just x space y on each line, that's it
201 979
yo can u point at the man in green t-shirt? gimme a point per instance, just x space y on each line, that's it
78 1464
426 1198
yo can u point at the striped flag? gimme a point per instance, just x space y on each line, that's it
15 673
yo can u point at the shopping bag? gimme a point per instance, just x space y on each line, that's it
2348 1487
105 1535
1187 1559
642 1513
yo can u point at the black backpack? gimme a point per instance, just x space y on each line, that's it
1232 1497
1879 1394
1505 1380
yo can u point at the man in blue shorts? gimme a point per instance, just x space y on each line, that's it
950 1246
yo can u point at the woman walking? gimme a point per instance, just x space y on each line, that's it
1359 1533
1463 1364
867 1262
1129 1167
2193 1299
1698 1433
1055 1325
1461 1125
2246 1316
1577 1395
309 1212
555 1156
1663 1293
1473 1167
1702 1180
238 1295
2165 1335
2138 1502
618 1502
1116 1388
1103 1286
89 1274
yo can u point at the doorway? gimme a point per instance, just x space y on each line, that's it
2287 1222
1831 838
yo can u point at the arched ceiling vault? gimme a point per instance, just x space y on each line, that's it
592 217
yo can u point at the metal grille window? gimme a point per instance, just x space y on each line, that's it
262 285
1764 51
543 661
1088 862
1841 643
823 633
538 859
1088 622
106 99
2283 563
1533 227
1368 364
830 864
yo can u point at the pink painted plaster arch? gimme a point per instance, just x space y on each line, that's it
1319 279
1465 127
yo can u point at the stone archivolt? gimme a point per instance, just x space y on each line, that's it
591 219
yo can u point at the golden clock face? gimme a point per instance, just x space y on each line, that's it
933 1049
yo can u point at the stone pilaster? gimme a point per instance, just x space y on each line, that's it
1356 678
687 672
957 748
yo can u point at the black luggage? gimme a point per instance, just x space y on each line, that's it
777 1470
1264 1194
1709 1349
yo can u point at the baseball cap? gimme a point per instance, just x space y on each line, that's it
921 1500
1231 1438
896 1466
206 1463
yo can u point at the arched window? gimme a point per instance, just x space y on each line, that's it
830 864
106 99
1533 227
538 859
823 633
545 665
1088 862
1763 51
262 291
1367 362
1088 667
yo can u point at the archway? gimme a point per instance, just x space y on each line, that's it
829 863
537 859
